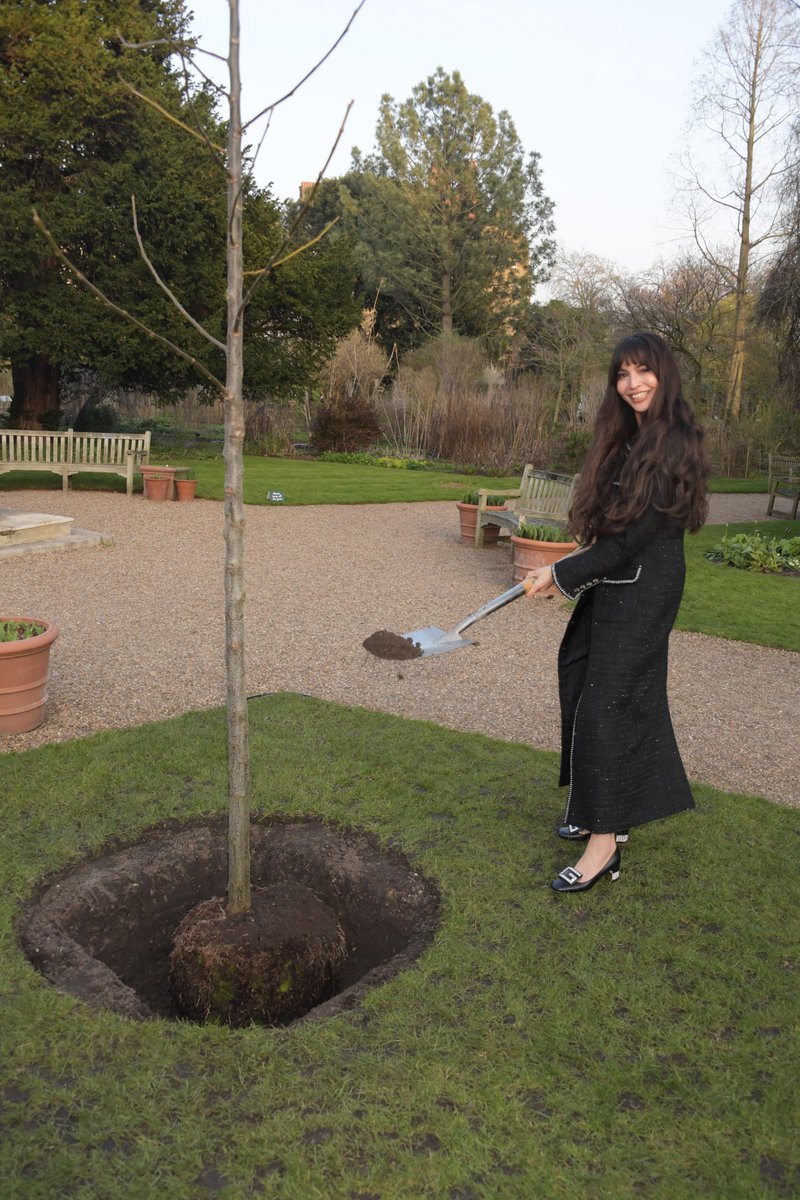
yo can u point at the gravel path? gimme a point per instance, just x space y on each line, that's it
142 630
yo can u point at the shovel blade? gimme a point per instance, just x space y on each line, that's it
432 640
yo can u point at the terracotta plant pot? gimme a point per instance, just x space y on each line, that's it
156 488
468 516
186 488
23 678
158 482
528 554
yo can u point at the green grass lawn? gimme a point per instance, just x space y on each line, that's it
745 606
721 483
305 481
302 481
640 1040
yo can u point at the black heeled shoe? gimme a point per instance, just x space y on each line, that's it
574 833
569 880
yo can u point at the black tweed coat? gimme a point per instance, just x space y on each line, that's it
619 757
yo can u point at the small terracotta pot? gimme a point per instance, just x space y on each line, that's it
23 678
186 488
528 554
468 515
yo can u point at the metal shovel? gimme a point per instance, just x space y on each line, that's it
432 640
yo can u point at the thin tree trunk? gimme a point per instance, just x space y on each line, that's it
238 754
736 372
447 304
559 398
36 399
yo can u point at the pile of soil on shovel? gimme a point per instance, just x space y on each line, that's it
103 931
384 644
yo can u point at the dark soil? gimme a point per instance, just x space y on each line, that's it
270 964
384 644
104 930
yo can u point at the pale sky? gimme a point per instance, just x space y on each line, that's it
601 90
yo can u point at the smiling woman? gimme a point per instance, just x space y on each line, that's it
642 485
637 384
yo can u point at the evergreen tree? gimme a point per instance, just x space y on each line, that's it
452 222
76 144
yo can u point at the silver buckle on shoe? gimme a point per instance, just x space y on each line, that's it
570 875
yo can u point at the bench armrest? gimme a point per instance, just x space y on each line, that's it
484 492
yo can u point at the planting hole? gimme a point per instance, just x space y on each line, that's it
334 914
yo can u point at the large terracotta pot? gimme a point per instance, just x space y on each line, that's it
158 482
528 553
23 678
468 516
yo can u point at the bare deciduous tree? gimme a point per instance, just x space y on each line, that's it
682 301
231 159
745 97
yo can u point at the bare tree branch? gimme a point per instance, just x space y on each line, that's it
305 206
59 253
177 46
308 74
168 115
278 262
217 87
267 127
166 290
187 92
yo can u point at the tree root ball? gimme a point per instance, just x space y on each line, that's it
269 965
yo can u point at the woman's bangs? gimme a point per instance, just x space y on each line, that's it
633 351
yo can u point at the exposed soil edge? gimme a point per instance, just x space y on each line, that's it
65 964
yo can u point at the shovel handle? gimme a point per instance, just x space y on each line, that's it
519 589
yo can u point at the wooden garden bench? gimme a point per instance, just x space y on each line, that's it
784 482
543 497
66 453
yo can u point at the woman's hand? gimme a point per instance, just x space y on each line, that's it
541 578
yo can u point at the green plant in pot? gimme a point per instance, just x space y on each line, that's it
24 662
541 533
18 629
538 545
468 518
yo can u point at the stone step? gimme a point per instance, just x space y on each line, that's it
17 528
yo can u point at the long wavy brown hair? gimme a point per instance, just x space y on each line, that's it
629 467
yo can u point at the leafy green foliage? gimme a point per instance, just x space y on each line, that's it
542 533
474 498
18 631
744 606
574 449
76 144
452 224
757 552
299 311
539 1045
